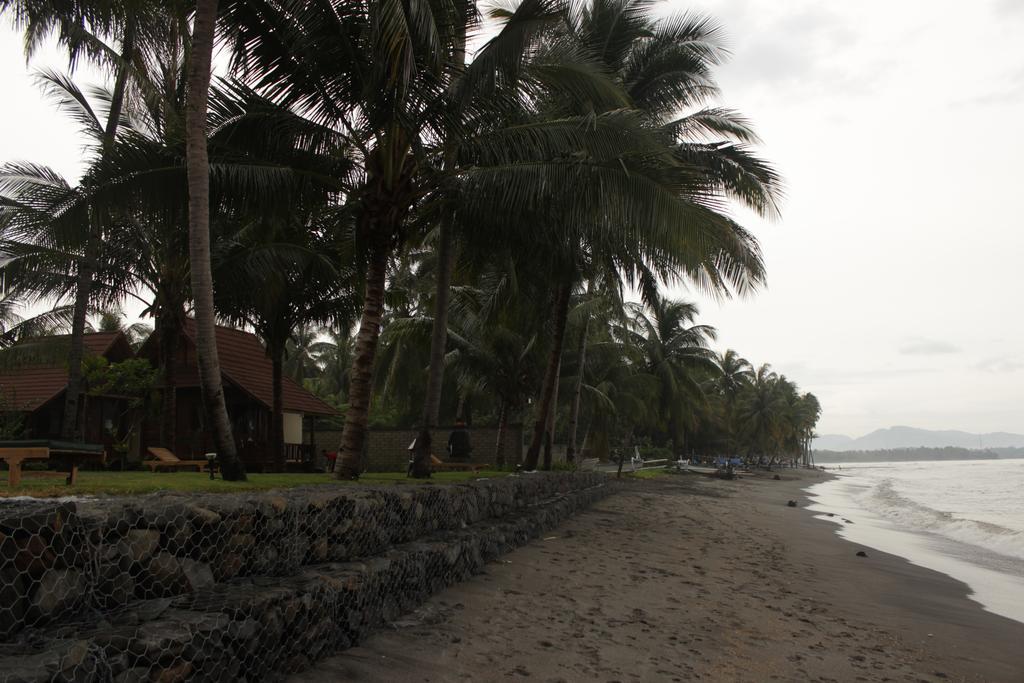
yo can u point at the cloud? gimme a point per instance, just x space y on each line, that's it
1003 8
999 365
928 347
1011 92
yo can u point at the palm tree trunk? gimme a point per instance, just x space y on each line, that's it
83 284
561 312
277 418
438 343
198 166
574 416
168 329
549 428
350 450
499 442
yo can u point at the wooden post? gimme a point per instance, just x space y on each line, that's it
14 475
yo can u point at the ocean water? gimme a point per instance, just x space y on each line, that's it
962 518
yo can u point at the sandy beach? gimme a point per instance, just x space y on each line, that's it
689 578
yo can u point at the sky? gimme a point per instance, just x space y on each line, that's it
895 270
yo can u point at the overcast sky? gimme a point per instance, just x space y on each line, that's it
896 271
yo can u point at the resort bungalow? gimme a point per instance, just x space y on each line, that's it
248 391
34 390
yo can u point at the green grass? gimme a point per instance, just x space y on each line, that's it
648 474
128 483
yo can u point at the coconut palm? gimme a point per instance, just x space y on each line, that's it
676 352
112 35
198 165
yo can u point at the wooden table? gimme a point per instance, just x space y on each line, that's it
14 453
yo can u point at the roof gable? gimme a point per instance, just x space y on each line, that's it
244 361
28 387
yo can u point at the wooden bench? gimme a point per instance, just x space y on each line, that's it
165 460
15 453
439 465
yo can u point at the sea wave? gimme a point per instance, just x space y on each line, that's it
885 500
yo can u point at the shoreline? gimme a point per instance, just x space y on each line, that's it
690 578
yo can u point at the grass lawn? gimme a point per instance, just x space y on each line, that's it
127 483
648 474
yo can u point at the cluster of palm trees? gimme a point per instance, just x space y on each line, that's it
482 184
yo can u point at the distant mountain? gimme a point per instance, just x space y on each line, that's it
910 437
905 455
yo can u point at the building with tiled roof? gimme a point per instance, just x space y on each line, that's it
247 374
36 385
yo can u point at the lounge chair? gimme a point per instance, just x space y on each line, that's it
439 465
165 460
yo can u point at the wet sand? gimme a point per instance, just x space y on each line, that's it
688 578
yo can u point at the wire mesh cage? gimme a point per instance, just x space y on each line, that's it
173 587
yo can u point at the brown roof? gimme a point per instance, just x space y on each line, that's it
29 387
244 362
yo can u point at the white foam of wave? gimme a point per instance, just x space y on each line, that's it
884 500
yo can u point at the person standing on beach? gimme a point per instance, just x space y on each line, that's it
459 447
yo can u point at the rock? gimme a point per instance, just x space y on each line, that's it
115 587
861 553
178 537
174 674
34 555
159 640
58 591
777 478
13 602
197 574
136 675
201 515
140 544
165 576
792 504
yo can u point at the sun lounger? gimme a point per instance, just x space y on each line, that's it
14 453
439 465
165 460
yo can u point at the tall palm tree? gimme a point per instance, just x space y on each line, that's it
198 164
760 410
675 352
112 35
664 67
734 374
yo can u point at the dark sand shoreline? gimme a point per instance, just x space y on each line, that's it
688 578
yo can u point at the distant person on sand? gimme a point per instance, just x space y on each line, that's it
459 447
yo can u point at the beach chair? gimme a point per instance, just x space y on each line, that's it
165 460
439 465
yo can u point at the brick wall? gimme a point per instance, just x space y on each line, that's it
387 449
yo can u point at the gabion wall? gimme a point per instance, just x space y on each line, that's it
246 586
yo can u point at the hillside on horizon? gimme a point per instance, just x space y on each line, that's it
912 437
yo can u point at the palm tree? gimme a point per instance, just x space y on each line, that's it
300 358
734 374
760 410
82 26
114 320
272 276
664 68
379 89
675 352
198 164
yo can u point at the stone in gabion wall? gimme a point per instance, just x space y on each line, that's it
199 624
